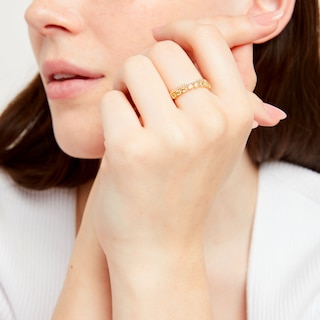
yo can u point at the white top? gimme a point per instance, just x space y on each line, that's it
284 266
37 231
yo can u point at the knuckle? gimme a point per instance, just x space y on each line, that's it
205 32
128 152
215 124
110 97
209 129
134 62
218 129
242 123
245 116
175 140
166 47
180 141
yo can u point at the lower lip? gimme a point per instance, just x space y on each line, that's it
67 89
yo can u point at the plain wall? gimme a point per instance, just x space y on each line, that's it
17 65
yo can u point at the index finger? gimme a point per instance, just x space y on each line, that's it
202 38
237 30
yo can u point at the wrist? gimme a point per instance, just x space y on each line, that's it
133 258
171 288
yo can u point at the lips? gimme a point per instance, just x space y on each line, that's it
64 80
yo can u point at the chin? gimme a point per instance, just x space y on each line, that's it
91 152
82 145
77 130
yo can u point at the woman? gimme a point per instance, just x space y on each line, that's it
216 238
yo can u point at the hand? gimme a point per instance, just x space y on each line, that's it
195 142
162 170
240 33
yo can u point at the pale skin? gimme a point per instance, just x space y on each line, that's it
159 211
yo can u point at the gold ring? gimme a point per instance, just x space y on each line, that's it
201 83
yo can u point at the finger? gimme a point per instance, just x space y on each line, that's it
212 55
118 117
147 90
200 39
176 68
237 30
243 55
266 115
269 115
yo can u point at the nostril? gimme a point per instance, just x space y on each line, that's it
45 18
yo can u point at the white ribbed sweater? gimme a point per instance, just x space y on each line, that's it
37 234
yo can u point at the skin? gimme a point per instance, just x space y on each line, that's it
126 27
171 243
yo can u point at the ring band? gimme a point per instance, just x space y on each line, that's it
201 83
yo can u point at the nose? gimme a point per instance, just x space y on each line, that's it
47 17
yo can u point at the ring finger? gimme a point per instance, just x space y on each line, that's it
176 68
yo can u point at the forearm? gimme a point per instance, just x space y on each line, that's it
86 291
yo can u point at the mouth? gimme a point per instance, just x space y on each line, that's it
65 76
64 80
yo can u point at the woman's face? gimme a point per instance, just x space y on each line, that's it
80 44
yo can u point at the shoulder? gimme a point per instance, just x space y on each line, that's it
283 181
14 196
283 277
288 206
37 231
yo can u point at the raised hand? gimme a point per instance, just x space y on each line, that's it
166 160
164 164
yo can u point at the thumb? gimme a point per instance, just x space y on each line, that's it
243 56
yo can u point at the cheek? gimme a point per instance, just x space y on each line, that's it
35 41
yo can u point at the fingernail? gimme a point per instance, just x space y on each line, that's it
274 112
268 18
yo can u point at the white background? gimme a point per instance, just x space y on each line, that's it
17 65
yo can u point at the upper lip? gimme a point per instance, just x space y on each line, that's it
50 69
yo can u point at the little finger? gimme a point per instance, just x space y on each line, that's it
118 118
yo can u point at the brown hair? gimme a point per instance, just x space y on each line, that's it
288 76
28 149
